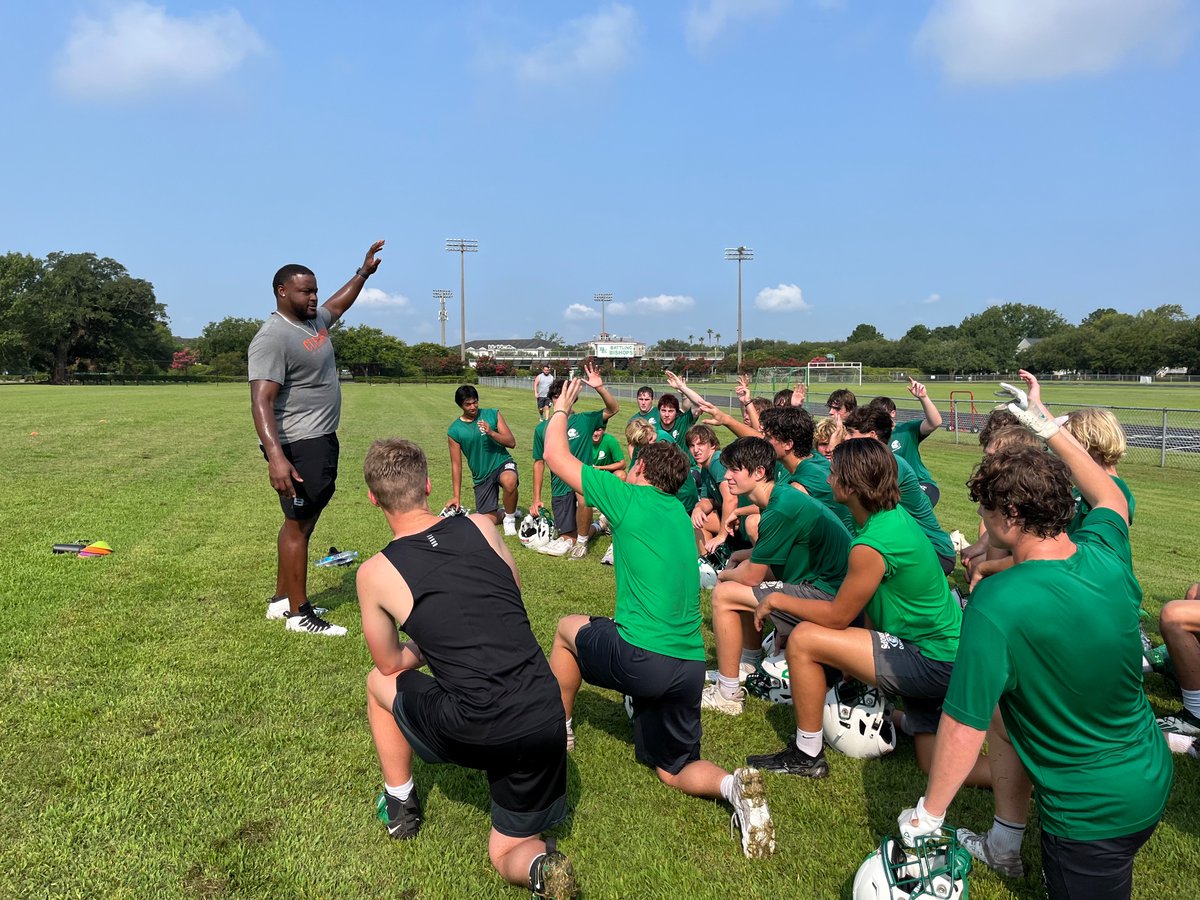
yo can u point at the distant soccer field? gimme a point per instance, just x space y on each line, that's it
161 738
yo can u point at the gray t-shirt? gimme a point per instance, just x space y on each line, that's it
299 358
541 384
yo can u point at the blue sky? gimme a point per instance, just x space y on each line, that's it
887 162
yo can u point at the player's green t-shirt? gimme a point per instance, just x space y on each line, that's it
915 501
906 444
651 417
579 436
813 475
801 540
607 452
1082 507
1055 643
913 601
654 550
484 455
688 494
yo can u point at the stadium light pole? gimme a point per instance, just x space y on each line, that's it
443 296
462 246
740 254
602 299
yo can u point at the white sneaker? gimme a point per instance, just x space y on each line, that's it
313 624
579 551
712 698
751 814
570 739
510 526
558 547
279 608
744 669
607 558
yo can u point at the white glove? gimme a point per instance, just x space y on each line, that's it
1013 393
926 823
1035 420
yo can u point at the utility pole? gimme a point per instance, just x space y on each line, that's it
602 299
462 246
443 296
740 254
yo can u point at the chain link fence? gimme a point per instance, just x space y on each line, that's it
1156 436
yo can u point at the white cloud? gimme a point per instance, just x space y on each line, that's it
378 299
652 306
932 298
578 311
785 298
707 19
138 49
590 46
1004 41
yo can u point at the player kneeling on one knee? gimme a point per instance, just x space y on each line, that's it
652 649
491 703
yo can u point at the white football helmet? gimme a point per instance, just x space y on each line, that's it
451 510
708 575
770 680
769 647
528 530
858 721
936 868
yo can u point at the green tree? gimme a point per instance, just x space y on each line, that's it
997 330
366 350
864 332
230 335
75 307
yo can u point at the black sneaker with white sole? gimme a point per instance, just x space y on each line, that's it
308 621
402 818
791 760
551 875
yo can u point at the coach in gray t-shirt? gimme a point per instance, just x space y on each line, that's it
297 403
541 390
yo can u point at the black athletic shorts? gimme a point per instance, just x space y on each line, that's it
1091 870
487 492
527 776
565 519
904 671
932 492
316 460
665 691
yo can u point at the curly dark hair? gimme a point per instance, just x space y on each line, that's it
666 466
790 423
1027 484
870 418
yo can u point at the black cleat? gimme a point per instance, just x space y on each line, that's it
792 761
401 817
551 875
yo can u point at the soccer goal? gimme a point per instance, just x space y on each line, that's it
834 373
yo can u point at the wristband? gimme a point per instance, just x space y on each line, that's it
361 274
557 412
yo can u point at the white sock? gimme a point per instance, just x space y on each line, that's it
753 657
1005 837
400 792
1191 702
809 742
510 517
729 687
582 539
569 724
1179 743
727 788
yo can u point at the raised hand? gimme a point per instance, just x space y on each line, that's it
916 388
799 394
592 376
370 263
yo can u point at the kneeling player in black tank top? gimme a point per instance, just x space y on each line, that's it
492 702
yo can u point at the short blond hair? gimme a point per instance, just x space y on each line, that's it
639 433
824 430
396 472
1099 432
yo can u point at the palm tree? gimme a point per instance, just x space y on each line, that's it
710 335
718 337
691 339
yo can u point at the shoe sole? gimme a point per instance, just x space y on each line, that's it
817 771
558 880
758 832
730 710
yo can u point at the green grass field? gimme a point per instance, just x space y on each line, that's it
161 738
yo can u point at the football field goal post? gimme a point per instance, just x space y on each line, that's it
774 378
